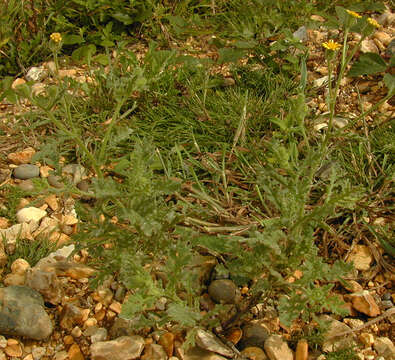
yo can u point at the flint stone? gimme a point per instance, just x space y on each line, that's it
332 343
46 283
384 347
277 349
28 214
36 74
26 171
210 342
22 313
224 291
154 352
122 348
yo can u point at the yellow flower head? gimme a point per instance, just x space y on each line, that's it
374 23
56 37
331 45
353 14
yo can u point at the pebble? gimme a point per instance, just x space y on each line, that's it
13 348
100 334
46 283
277 349
17 82
4 223
387 304
197 353
390 48
31 213
365 303
384 347
369 45
75 353
38 352
361 257
36 74
154 352
26 185
224 291
122 348
210 342
333 344
21 157
302 350
55 181
22 313
26 171
254 335
167 342
75 171
254 353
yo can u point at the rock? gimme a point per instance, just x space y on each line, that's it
196 353
333 344
61 254
46 283
320 81
75 353
26 185
20 266
365 303
21 157
61 355
18 231
167 342
224 291
99 335
255 335
14 279
254 353
154 352
17 82
353 286
84 185
4 223
121 327
26 171
122 348
47 226
52 202
387 304
340 122
361 257
38 88
366 339
44 171
13 348
229 81
384 347
70 316
75 171
383 37
302 350
67 73
301 34
36 74
210 342
38 352
277 349
22 313
317 18
55 181
368 45
31 213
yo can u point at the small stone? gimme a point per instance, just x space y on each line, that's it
229 81
26 185
103 296
390 48
301 34
122 348
116 307
224 291
52 202
18 231
386 18
67 73
361 257
21 157
333 344
36 74
14 279
28 214
26 171
210 342
320 81
75 171
70 316
366 339
46 283
61 355
254 353
84 185
44 171
254 335
167 341
317 18
55 181
154 352
22 313
365 303
277 349
4 223
14 349
387 304
99 335
384 347
38 352
3 342
75 353
76 332
38 88
368 45
302 350
17 82
353 286
28 357
383 37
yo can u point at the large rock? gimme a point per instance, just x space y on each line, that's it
277 349
22 313
122 348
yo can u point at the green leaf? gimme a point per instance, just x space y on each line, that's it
83 52
240 44
389 81
72 39
183 314
123 18
229 55
368 63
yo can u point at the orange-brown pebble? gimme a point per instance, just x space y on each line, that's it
302 350
167 342
75 353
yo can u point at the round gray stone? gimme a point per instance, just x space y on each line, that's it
22 313
224 291
55 181
26 171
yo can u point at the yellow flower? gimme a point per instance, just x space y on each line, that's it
331 45
353 14
56 37
374 23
